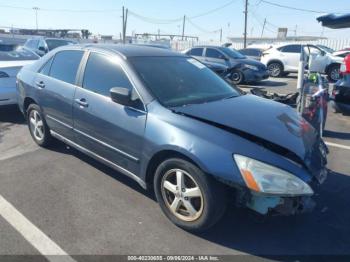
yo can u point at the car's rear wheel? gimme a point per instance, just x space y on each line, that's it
275 69
37 126
187 196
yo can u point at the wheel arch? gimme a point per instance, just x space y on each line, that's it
276 61
28 101
328 67
160 157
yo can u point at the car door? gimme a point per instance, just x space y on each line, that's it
215 56
290 55
110 130
55 84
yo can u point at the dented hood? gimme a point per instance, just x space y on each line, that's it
259 119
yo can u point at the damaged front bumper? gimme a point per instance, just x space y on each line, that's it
279 205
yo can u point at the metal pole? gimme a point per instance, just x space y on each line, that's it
123 24
183 27
245 23
262 32
36 17
220 35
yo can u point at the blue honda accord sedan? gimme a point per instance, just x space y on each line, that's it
174 126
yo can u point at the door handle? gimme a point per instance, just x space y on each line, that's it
40 84
82 102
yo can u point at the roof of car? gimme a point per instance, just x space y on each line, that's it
133 50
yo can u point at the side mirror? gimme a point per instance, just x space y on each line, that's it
121 95
43 49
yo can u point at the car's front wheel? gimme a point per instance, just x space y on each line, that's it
187 196
275 69
37 126
237 77
334 73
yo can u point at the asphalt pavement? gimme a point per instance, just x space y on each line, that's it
85 208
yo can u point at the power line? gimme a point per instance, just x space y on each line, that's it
62 10
296 8
213 10
201 28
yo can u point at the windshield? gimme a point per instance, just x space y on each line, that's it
54 43
179 81
18 54
232 53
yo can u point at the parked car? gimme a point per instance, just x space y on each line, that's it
252 53
326 48
43 45
174 126
283 59
248 70
7 47
10 63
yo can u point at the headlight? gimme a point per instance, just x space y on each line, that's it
261 177
252 67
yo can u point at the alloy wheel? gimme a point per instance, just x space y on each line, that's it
36 125
274 69
182 195
335 74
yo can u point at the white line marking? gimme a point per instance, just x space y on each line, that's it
31 233
337 145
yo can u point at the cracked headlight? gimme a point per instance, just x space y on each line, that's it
264 178
252 67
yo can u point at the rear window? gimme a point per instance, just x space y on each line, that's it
54 43
196 52
18 54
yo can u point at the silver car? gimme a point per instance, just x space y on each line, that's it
10 63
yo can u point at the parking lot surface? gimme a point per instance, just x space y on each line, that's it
86 208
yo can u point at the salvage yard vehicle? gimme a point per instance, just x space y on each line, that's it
243 70
43 45
252 53
10 63
284 59
174 126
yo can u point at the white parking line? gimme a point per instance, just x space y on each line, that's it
337 145
31 233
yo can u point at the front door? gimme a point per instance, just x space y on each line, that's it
110 130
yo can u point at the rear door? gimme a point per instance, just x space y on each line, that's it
215 56
109 130
55 86
290 55
197 52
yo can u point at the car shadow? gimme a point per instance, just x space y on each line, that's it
336 134
11 115
325 231
60 147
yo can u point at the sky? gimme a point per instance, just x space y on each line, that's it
104 16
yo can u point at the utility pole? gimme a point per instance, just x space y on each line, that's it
262 32
245 23
220 35
183 27
123 24
36 9
295 30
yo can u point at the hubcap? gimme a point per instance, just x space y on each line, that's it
274 69
182 195
235 76
36 125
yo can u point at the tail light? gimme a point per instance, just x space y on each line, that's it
3 74
347 65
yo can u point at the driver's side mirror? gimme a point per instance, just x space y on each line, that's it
121 95
43 49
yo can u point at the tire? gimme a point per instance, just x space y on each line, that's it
237 77
275 69
38 128
333 73
207 201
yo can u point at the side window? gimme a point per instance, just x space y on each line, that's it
196 51
102 73
65 65
45 70
214 53
291 49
